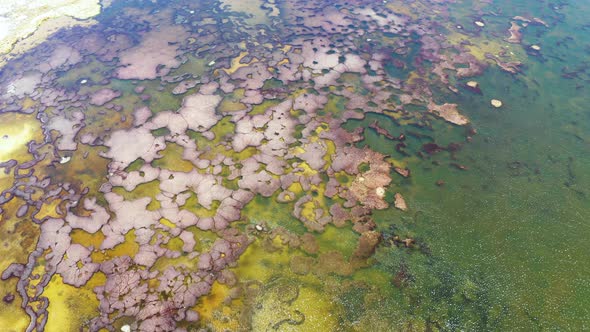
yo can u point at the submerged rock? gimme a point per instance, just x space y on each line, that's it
496 103
400 202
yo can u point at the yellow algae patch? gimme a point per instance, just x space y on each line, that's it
25 24
86 239
479 46
18 239
16 130
256 263
283 296
27 102
69 307
283 62
292 307
373 277
306 169
167 223
236 64
48 210
128 248
215 314
286 48
12 317
164 262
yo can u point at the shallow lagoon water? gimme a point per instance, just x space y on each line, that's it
495 234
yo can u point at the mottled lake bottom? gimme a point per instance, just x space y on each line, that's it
494 237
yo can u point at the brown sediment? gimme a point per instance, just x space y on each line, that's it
400 202
515 34
512 67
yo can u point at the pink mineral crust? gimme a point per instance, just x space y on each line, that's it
126 146
252 76
515 34
188 241
314 155
92 223
131 180
252 97
331 20
199 111
141 115
55 235
23 84
128 215
320 220
279 130
62 55
309 103
123 290
368 188
177 182
173 121
347 159
77 268
272 163
186 288
103 96
317 56
68 127
400 202
154 56
184 86
449 112
259 182
392 20
148 254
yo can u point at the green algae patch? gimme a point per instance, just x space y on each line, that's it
335 106
91 71
192 205
231 102
172 159
261 108
263 209
342 240
149 189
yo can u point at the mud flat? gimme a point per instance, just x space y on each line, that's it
25 24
